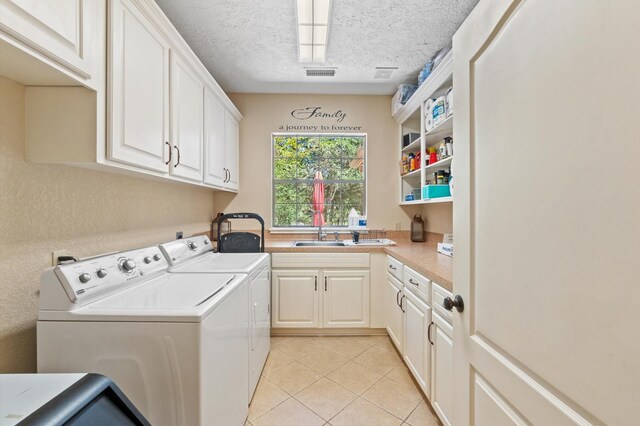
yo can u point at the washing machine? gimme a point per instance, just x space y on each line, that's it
176 344
195 256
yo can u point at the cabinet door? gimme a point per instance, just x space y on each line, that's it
260 326
442 369
345 300
395 322
214 140
139 90
187 115
231 130
57 29
295 298
417 355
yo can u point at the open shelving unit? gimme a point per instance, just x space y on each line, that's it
410 117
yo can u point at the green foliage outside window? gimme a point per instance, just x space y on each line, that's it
296 159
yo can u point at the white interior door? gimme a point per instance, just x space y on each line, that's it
214 140
345 299
139 90
546 239
187 120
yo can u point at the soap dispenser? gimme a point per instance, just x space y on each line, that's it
417 229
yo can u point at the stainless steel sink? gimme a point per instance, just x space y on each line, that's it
319 244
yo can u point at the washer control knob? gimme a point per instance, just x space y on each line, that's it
157 257
128 265
147 259
85 278
101 273
192 245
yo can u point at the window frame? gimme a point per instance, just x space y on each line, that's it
299 228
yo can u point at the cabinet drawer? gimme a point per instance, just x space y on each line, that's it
394 267
438 294
320 260
418 284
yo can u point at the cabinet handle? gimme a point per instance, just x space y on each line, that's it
170 154
325 283
392 267
316 280
398 295
178 151
401 299
429 333
413 282
229 178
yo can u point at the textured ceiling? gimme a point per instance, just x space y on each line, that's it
250 46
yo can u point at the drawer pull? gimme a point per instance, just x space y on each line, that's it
413 282
392 267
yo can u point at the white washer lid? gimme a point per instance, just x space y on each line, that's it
168 298
167 292
210 262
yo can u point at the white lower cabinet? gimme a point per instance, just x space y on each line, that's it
320 298
395 314
421 330
323 290
442 368
295 298
417 353
345 299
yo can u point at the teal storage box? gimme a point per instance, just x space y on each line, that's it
435 191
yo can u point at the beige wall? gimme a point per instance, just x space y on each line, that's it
265 113
50 207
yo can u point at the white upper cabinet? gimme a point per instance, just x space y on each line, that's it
215 172
139 101
59 30
149 105
187 121
232 136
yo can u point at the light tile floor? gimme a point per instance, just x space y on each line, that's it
337 381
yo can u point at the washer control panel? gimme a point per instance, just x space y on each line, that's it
179 251
92 278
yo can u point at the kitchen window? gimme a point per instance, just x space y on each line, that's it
318 179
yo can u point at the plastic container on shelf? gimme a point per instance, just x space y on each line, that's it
435 191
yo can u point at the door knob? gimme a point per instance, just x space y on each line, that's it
457 302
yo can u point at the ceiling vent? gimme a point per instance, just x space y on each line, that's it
321 72
384 73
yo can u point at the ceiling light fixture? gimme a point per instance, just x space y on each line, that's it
313 29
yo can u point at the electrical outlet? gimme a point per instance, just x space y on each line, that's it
179 235
56 254
398 226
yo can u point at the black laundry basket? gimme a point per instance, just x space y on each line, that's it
240 242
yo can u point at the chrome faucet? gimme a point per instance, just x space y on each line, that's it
320 233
